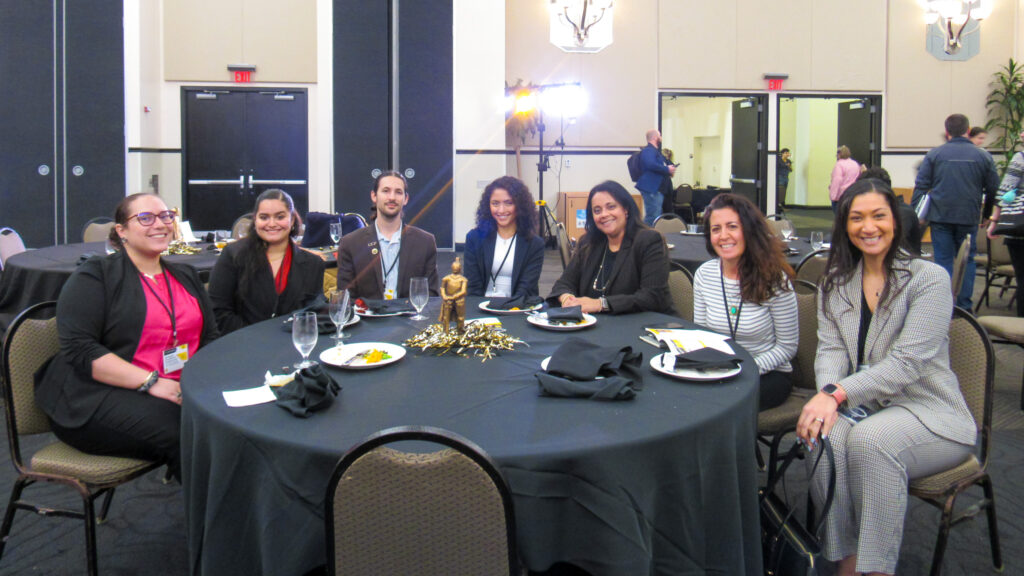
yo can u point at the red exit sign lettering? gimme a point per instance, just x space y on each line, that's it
773 83
243 76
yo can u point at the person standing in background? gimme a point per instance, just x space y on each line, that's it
656 169
844 173
977 136
783 166
958 176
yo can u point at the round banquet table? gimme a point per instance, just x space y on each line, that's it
36 276
691 250
661 484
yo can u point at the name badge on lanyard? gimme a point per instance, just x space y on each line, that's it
175 358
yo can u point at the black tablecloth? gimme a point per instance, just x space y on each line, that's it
662 484
38 275
691 251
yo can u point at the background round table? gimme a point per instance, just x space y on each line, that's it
691 250
38 275
661 484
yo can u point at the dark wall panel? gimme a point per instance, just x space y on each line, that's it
361 99
425 113
27 121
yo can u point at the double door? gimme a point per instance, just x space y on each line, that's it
239 143
62 149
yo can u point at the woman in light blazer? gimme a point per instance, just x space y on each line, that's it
883 343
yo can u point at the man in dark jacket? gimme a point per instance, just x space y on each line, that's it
656 169
959 176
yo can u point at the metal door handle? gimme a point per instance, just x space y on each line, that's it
743 180
275 182
240 181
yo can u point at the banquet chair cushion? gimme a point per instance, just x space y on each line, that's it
937 485
1005 327
680 287
63 460
783 418
668 223
442 512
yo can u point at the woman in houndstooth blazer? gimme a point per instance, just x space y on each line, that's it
883 344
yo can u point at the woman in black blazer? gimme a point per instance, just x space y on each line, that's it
621 265
265 274
503 254
127 323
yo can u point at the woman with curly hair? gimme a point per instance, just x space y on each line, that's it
746 291
503 254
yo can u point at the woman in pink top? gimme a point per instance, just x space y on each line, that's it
844 173
128 322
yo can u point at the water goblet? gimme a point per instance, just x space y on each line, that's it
340 309
336 233
817 239
787 229
419 294
304 335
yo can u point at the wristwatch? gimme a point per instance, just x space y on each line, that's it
150 380
835 392
604 304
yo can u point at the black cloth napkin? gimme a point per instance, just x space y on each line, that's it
575 366
523 302
707 359
388 306
324 325
312 390
570 313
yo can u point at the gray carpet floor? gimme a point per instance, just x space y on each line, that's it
145 533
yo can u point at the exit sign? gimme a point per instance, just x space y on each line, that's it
242 76
775 81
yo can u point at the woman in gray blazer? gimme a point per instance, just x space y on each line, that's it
883 345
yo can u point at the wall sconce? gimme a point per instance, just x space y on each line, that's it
581 25
954 22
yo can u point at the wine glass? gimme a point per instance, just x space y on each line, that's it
787 229
340 310
817 239
336 232
419 294
304 334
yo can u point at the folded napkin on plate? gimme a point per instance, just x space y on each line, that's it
324 325
388 306
574 369
312 390
522 302
707 359
569 313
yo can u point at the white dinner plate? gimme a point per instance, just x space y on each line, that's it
346 356
684 233
541 321
367 313
671 246
691 374
483 306
354 320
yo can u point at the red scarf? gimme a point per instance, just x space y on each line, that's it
281 280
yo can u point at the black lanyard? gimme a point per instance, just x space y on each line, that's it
494 276
170 311
730 311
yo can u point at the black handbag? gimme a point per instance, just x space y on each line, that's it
788 547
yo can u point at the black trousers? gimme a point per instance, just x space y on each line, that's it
132 425
1016 248
774 389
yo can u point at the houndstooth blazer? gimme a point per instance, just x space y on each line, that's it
907 348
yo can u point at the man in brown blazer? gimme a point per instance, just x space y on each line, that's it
377 261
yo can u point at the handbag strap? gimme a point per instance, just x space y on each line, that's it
826 449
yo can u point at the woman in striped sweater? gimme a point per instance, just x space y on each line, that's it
746 291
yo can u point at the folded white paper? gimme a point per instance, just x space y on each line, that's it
249 396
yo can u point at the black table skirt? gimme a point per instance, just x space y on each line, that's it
691 250
38 275
662 484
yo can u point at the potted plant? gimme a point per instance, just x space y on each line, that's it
1005 106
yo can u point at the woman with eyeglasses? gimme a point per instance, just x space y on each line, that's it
128 322
621 265
265 274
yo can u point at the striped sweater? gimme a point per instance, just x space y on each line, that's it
769 331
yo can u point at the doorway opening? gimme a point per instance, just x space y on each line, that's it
718 140
812 127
